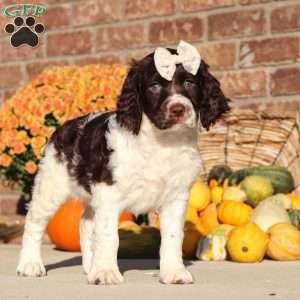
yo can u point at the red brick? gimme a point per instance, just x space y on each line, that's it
9 53
135 9
192 5
221 55
10 76
285 81
120 37
171 31
246 2
57 17
269 51
95 12
103 59
36 68
286 18
137 55
238 23
66 43
244 83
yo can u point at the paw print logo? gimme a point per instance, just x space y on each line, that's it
24 32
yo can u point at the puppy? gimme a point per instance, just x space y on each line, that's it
141 157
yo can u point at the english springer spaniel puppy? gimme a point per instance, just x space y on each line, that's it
141 157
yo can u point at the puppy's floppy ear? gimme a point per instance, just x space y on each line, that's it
129 107
213 103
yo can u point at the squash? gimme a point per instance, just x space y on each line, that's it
143 244
284 242
268 213
281 178
216 194
127 216
234 193
213 183
199 195
190 241
294 215
219 173
204 221
295 201
208 219
63 227
234 213
257 188
247 244
281 199
212 248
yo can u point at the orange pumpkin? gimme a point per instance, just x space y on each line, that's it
63 228
127 216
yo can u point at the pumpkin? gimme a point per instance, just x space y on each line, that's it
219 173
190 240
247 244
208 219
127 216
200 195
63 227
234 213
204 221
284 242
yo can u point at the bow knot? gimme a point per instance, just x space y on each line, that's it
165 62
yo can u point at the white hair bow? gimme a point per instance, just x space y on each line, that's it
165 62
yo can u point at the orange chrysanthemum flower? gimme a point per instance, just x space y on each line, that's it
31 167
5 160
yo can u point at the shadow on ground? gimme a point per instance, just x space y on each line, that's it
124 264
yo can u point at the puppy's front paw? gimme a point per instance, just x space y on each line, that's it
176 276
31 268
105 276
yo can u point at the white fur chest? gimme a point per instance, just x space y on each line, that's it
153 167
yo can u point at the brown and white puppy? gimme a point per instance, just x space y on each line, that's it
141 157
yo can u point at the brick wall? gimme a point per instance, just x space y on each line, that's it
253 46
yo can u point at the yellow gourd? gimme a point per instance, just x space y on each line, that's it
284 242
199 196
217 194
295 201
234 213
247 244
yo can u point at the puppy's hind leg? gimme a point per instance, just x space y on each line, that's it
86 238
50 190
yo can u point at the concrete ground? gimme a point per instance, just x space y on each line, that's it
214 280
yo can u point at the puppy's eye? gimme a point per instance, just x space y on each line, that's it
188 83
155 87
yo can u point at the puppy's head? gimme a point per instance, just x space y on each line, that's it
173 104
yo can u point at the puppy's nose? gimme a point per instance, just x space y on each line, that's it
177 111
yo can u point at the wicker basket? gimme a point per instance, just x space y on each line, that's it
246 138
